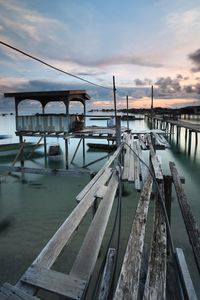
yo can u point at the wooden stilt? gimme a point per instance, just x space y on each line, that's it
76 149
83 151
189 141
66 154
21 152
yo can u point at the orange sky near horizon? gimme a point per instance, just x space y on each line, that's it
145 102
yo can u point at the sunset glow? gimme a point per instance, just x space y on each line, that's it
163 50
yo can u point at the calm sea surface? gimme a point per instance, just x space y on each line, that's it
32 207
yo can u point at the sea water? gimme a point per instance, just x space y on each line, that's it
32 207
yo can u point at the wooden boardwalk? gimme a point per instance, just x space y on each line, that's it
169 126
126 164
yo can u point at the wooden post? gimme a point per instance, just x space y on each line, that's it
45 139
22 151
168 195
118 131
114 98
76 150
66 154
177 134
189 141
83 151
196 138
107 275
127 112
189 220
152 99
168 200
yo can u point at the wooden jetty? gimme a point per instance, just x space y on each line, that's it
126 164
169 124
166 275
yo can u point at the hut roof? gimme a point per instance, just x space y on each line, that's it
47 96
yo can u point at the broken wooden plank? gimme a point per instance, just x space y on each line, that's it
155 286
107 275
84 263
99 174
18 292
98 184
131 159
189 288
50 252
128 283
189 220
142 141
3 296
136 167
126 138
143 168
8 294
55 282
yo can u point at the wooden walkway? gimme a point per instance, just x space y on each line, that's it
126 164
169 126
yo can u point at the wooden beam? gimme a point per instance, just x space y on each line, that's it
128 283
87 256
189 290
155 286
99 174
55 282
189 220
107 275
18 293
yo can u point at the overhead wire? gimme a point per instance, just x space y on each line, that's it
51 66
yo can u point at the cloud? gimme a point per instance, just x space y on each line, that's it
73 40
166 86
145 82
195 58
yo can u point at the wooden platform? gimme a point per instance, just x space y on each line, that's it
100 194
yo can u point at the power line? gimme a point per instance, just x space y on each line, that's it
51 66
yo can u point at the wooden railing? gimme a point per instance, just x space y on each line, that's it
46 123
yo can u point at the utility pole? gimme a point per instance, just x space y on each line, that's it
127 112
114 95
152 98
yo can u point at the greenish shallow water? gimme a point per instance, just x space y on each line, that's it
35 206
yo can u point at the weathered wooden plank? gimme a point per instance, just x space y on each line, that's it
143 168
107 275
189 220
165 142
101 191
47 171
131 161
189 288
8 294
84 263
128 283
50 252
3 296
142 141
98 184
15 291
136 168
55 282
155 286
126 156
99 174
155 161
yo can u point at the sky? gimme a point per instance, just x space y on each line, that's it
141 43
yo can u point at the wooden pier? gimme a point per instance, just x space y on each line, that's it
169 125
127 164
